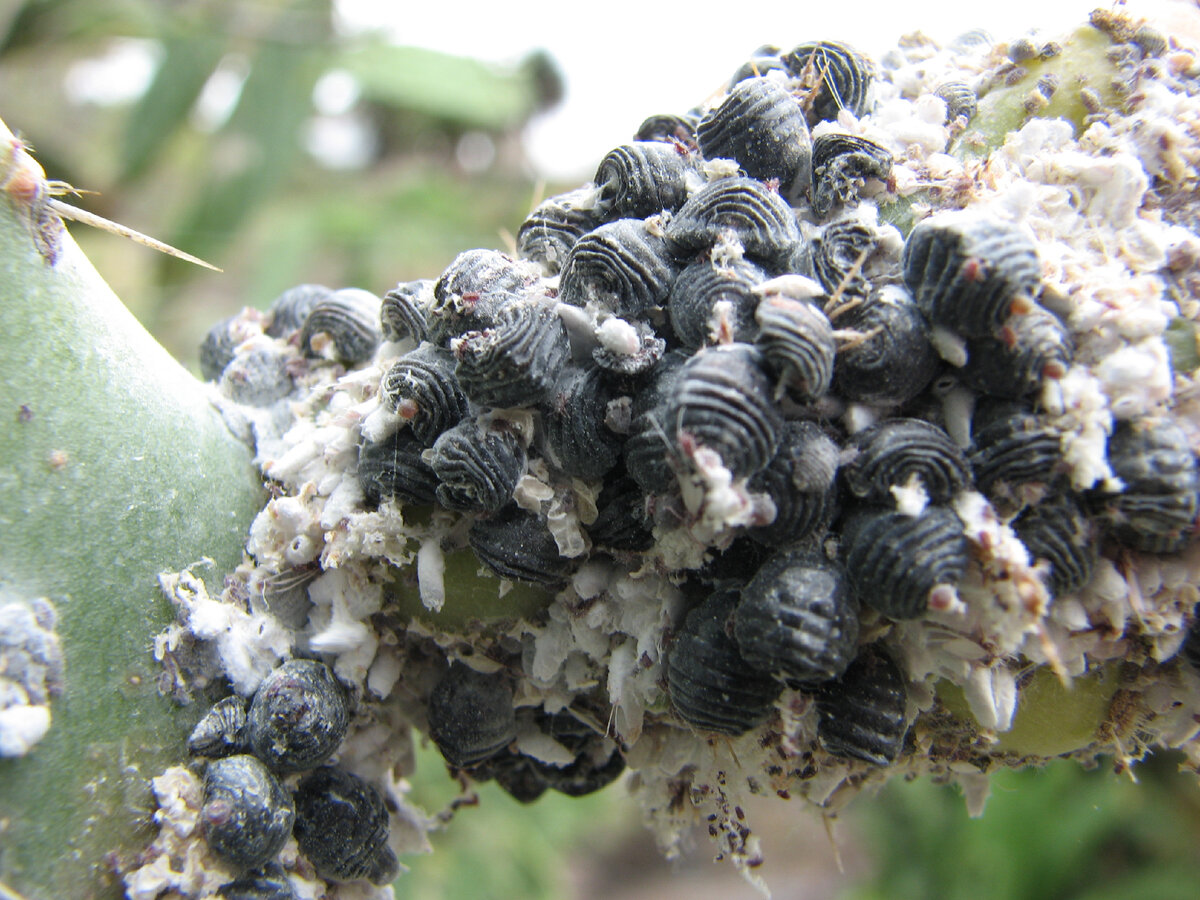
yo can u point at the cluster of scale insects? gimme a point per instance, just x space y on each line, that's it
697 335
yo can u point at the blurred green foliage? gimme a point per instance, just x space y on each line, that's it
1059 833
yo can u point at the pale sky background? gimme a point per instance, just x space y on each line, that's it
623 61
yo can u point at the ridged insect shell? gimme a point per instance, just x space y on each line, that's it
895 561
395 469
621 522
762 62
298 717
422 388
837 77
247 814
642 179
1156 510
841 164
1058 531
471 715
696 292
1013 447
722 399
710 685
403 311
517 544
646 446
287 312
892 454
477 468
798 346
760 125
551 230
669 128
1016 360
895 361
758 217
342 827
961 100
833 257
472 290
801 480
579 441
343 326
598 762
862 714
260 375
797 619
966 269
514 362
220 344
268 882
624 266
221 731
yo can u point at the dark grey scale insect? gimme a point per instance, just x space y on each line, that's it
837 255
894 360
1190 651
835 76
967 271
802 482
342 827
1017 360
895 561
1013 449
798 346
221 731
579 442
1058 531
961 100
343 327
1156 510
669 128
477 468
711 687
514 773
220 344
287 312
516 361
395 469
646 446
642 179
423 390
298 717
862 714
698 289
722 399
286 594
517 544
841 165
624 266
403 312
472 290
269 882
756 216
259 376
733 566
900 453
471 715
762 62
760 125
621 522
597 763
551 230
247 814
798 619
